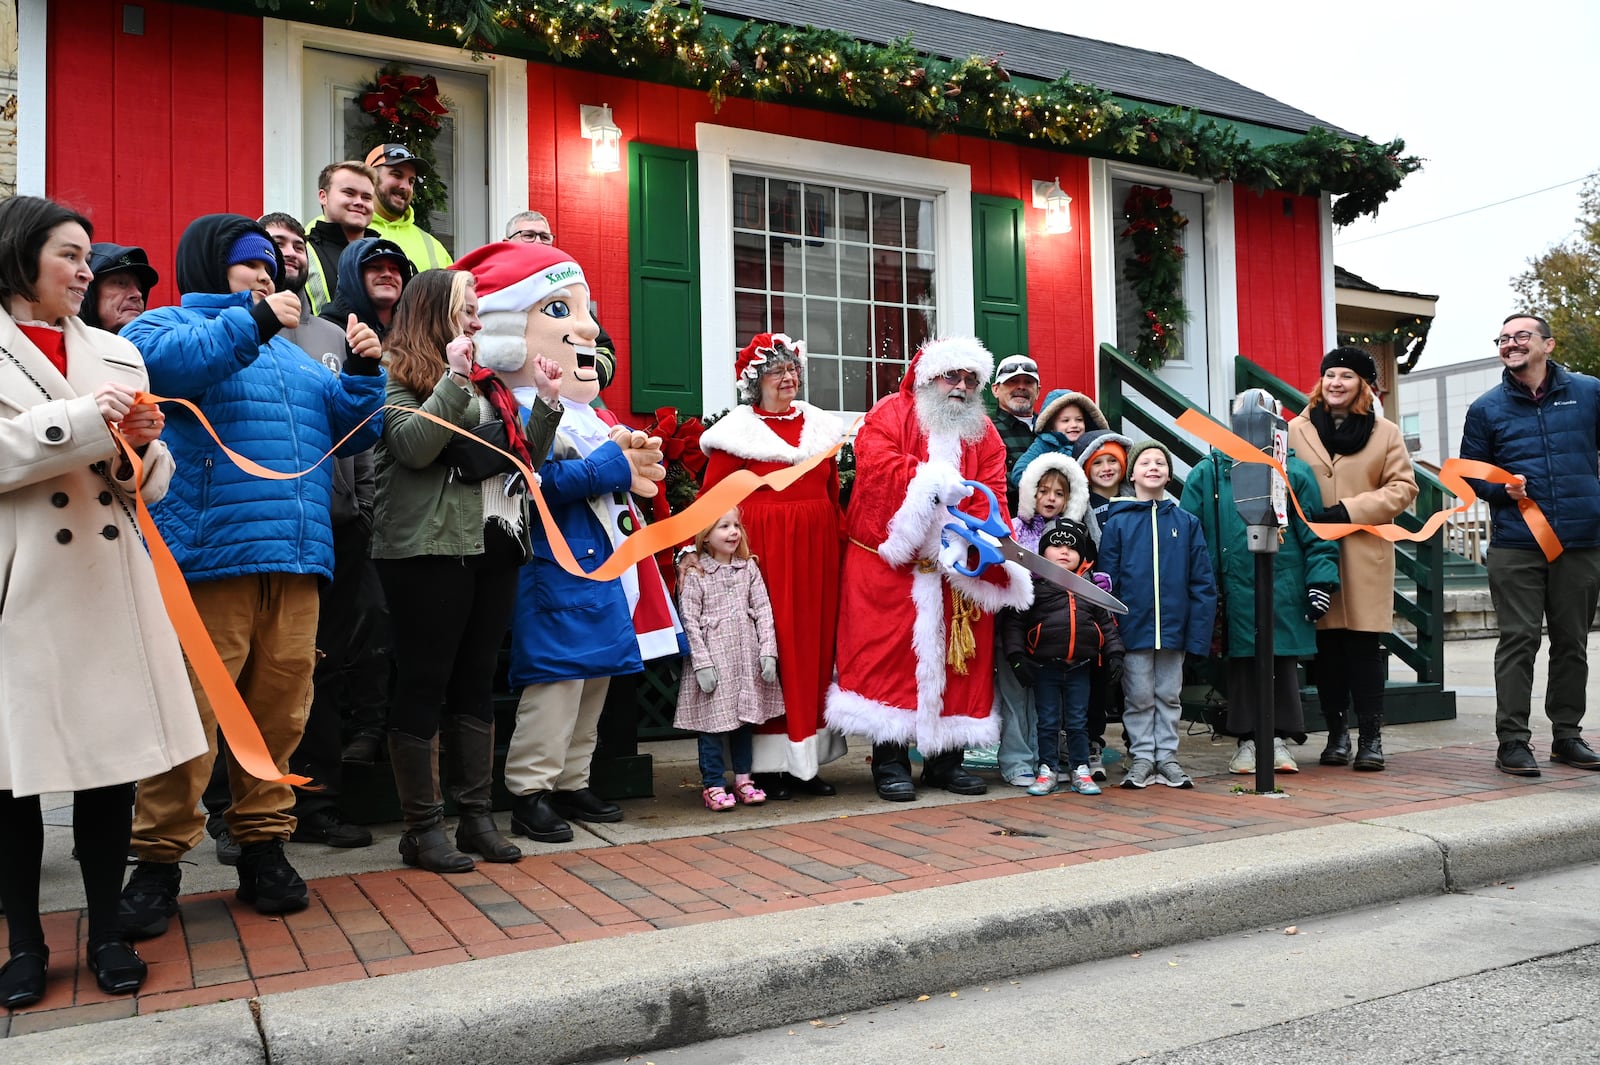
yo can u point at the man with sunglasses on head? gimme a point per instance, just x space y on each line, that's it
1542 423
916 638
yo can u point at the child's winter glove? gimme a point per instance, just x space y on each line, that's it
1102 580
706 678
1026 672
1318 598
769 669
1113 668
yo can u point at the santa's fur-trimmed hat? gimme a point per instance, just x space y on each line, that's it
756 356
939 357
513 276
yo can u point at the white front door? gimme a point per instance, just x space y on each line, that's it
334 123
1190 372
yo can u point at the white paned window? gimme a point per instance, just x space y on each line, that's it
849 271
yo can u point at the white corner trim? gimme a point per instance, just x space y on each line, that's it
720 148
1102 265
32 95
283 51
1330 311
1222 272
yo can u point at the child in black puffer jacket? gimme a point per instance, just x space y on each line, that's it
1052 646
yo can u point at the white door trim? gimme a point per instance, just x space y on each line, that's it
1222 269
32 95
718 148
1330 310
283 48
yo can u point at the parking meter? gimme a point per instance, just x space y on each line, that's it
1260 496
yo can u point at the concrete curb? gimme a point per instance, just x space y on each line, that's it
611 997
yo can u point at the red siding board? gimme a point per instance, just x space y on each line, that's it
1279 274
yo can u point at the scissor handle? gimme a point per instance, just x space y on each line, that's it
990 524
977 539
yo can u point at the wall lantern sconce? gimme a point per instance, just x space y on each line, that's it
605 151
1057 206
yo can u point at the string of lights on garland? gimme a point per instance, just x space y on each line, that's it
673 41
1404 333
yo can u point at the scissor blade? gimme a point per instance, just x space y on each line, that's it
1059 575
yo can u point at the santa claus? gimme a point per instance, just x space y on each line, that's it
916 639
570 635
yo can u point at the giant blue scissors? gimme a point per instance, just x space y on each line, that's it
992 541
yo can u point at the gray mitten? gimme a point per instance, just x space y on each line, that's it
707 679
769 669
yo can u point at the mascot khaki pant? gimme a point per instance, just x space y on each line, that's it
557 727
265 628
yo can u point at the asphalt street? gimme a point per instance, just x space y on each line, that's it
1509 971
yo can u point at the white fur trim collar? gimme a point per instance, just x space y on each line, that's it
1077 485
743 434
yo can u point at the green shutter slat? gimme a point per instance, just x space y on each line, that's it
1000 274
664 273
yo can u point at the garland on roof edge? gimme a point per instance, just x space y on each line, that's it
760 61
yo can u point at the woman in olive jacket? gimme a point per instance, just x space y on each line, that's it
1365 474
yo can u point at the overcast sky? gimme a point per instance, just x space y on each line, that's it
1498 99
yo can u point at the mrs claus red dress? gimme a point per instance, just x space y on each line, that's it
795 534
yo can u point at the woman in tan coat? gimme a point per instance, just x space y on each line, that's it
1364 471
93 690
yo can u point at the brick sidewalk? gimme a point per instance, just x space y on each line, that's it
372 924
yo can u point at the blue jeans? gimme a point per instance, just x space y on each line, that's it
1019 725
1061 696
713 771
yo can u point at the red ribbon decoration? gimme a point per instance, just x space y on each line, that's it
680 443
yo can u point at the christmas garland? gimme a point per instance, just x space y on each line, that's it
406 109
674 41
1412 330
1155 271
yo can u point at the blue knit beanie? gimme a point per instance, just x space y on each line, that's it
252 247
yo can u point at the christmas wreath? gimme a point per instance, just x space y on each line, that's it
406 109
1155 271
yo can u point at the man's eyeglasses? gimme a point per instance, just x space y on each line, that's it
1519 337
960 377
533 236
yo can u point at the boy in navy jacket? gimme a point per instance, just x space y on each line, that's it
1156 557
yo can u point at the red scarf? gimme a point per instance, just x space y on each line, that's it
501 399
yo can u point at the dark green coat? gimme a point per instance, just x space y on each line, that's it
1303 559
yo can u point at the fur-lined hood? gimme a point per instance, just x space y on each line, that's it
1061 397
1077 505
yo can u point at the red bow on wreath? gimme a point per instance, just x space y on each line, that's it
421 94
680 441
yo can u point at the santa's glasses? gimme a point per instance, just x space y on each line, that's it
960 377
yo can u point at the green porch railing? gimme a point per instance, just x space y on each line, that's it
1129 396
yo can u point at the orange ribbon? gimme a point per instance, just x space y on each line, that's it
235 719
1452 475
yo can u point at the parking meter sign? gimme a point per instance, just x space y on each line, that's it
1280 489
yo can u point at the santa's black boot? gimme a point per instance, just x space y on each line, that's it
891 772
944 770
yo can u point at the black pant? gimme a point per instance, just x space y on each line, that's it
102 824
1349 670
353 670
448 616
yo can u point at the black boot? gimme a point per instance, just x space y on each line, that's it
891 772
1337 752
1369 749
416 780
776 785
535 816
476 832
944 770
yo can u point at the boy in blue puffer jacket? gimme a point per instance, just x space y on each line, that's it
1156 557
253 550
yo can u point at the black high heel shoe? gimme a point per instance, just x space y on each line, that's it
22 978
117 967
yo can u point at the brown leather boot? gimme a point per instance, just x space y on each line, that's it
474 772
416 781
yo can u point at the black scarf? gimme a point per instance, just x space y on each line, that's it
1344 439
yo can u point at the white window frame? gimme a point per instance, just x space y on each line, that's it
1221 265
283 45
32 92
720 149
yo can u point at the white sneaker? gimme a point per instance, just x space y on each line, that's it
1021 780
1282 760
1083 781
1243 762
1097 768
1044 783
1172 775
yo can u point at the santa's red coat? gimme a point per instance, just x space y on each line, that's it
894 684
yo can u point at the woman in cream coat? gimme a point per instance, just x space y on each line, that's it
93 690
1365 474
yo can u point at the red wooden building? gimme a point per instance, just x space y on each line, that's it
849 189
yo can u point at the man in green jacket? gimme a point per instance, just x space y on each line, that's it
398 173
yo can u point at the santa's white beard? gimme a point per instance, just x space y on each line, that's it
941 415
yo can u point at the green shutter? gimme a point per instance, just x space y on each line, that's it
1000 275
664 268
